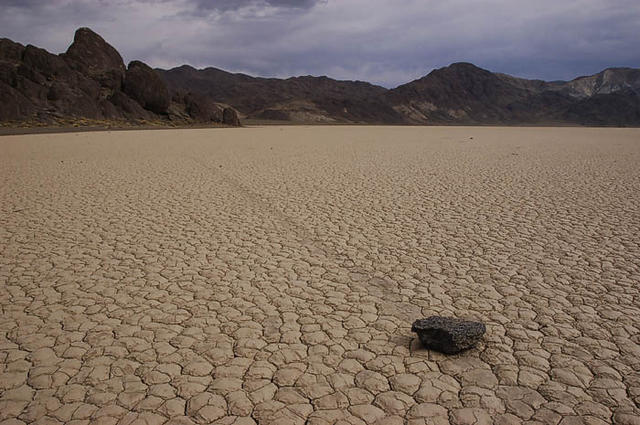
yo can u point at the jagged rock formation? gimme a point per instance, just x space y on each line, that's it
230 117
94 57
146 87
200 107
612 80
88 81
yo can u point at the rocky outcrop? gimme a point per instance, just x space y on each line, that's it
93 56
130 107
10 50
230 117
448 334
146 87
202 108
609 81
89 81
14 105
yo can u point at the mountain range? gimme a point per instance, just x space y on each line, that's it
461 93
90 81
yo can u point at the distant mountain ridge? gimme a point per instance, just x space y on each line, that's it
90 81
461 93
464 93
307 98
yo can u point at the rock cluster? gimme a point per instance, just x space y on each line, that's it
448 334
90 81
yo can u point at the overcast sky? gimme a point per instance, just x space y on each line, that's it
388 42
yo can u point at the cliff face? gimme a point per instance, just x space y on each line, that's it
88 81
609 81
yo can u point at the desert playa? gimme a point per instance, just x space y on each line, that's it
271 275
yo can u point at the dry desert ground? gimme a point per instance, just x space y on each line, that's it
271 275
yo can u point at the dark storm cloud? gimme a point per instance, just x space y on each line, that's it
27 4
383 41
238 4
204 4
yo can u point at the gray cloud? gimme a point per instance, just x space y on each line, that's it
200 4
24 3
383 41
224 5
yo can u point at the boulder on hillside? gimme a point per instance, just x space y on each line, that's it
230 117
93 56
130 108
202 109
146 87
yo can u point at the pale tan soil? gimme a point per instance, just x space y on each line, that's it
271 275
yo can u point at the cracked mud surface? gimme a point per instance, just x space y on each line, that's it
271 275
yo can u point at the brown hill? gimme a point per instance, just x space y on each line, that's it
311 99
464 93
90 81
459 93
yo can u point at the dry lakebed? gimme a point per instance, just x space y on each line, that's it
272 274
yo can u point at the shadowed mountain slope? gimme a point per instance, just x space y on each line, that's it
464 93
460 93
307 98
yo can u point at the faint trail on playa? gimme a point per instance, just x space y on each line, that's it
305 238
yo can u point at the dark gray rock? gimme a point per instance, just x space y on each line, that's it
145 86
8 73
230 117
43 62
10 50
129 108
93 56
448 334
202 109
14 105
90 82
